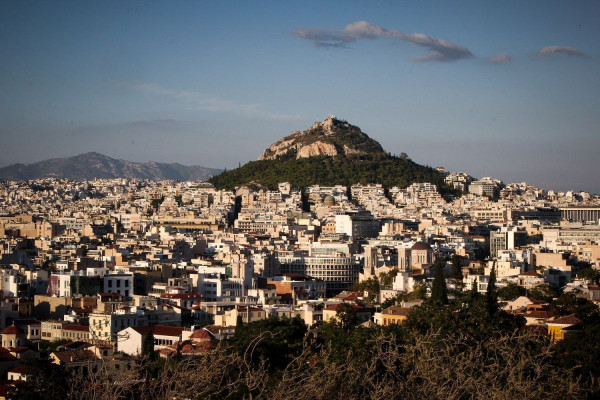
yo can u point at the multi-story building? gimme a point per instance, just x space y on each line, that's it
507 238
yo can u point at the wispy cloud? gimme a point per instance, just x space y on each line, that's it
501 58
439 49
193 100
572 51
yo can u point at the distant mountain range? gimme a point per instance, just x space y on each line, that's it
95 165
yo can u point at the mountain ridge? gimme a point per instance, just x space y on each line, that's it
95 165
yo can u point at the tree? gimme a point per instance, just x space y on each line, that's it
371 284
590 275
439 291
387 278
346 314
457 267
492 292
148 345
511 292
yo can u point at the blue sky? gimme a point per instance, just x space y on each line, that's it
509 89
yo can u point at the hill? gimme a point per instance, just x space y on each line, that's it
331 137
95 165
358 159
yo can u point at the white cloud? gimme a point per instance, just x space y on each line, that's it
561 50
440 49
501 58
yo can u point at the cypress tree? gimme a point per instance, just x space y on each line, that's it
456 267
439 291
492 292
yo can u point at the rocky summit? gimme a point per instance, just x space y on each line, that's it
331 137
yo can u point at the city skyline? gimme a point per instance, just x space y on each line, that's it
502 89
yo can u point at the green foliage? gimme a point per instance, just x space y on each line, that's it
468 316
274 340
457 266
419 293
155 203
543 292
328 171
387 278
346 316
581 352
569 303
179 200
371 284
590 274
148 346
46 346
511 292
439 291
492 292
49 381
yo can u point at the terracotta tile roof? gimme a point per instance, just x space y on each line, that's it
12 330
396 310
566 320
76 327
69 356
142 330
164 330
201 334
538 314
6 356
78 344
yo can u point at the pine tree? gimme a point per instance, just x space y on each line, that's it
439 291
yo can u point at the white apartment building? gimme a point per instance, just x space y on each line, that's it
119 283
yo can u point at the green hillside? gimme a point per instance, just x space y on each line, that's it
328 171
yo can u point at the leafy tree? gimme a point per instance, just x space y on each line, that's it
419 292
590 275
155 203
179 200
274 340
346 315
371 284
542 292
49 381
570 303
439 291
387 278
511 291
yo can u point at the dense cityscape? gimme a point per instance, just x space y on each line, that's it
98 274
182 216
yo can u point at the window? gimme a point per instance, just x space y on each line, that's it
110 283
